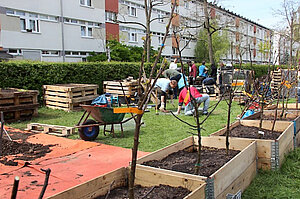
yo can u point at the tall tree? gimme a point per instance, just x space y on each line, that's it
220 45
290 14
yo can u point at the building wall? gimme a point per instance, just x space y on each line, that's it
53 37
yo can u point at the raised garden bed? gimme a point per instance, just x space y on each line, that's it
101 185
18 104
230 178
270 152
292 116
68 97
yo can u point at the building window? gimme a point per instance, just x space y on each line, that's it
186 4
86 3
160 16
132 37
50 53
86 31
15 51
29 25
110 17
132 11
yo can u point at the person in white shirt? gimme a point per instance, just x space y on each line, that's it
173 65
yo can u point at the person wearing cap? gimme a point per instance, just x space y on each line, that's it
162 87
185 97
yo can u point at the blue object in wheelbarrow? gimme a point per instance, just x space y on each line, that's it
89 129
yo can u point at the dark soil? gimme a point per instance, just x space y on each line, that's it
184 161
21 150
252 132
156 192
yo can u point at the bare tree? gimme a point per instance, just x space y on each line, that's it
144 99
149 5
289 12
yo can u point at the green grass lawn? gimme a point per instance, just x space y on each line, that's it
158 130
162 130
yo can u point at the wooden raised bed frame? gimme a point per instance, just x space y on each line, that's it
234 176
18 104
100 185
270 153
68 97
291 113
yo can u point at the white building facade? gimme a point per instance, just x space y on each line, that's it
68 30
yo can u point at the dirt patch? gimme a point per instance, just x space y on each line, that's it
184 161
156 192
252 132
22 151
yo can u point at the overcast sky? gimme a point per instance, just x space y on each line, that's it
259 11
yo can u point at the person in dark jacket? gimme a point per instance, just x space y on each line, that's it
193 72
213 73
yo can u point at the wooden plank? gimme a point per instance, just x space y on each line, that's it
55 93
164 152
297 139
119 92
95 187
267 124
118 88
225 175
241 183
57 104
14 108
285 142
115 83
147 178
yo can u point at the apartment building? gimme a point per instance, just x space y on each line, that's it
68 30
52 30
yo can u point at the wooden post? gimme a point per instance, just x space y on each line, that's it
15 188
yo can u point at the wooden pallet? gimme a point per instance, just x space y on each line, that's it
114 87
270 153
18 104
101 185
213 96
68 97
235 175
50 129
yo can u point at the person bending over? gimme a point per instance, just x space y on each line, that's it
184 97
162 87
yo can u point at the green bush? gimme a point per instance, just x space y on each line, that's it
33 75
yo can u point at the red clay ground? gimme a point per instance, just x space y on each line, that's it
72 162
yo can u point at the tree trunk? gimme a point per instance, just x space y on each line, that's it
209 35
134 156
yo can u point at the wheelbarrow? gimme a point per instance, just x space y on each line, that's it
89 129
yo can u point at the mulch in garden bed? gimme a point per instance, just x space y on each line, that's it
155 192
184 161
252 132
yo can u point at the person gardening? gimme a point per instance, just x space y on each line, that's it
184 97
162 87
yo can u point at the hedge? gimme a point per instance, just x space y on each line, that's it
33 75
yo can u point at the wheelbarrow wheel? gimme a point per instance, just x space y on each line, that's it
89 133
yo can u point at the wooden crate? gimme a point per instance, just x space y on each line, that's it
100 185
291 114
114 87
234 176
50 129
270 153
18 104
68 97
213 96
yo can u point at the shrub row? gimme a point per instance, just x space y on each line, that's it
32 75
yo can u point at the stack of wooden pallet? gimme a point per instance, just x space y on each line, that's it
276 81
130 87
211 90
18 104
68 97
